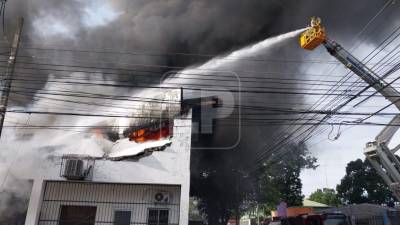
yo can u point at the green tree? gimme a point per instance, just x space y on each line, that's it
326 196
222 186
281 178
362 184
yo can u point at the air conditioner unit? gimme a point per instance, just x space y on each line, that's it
74 170
162 197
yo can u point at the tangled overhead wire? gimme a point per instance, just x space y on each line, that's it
339 132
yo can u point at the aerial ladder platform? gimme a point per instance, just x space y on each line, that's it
381 157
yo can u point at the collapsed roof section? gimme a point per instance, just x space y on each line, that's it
129 149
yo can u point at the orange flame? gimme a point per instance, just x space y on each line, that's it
98 133
150 134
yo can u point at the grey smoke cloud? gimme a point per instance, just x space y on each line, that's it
209 27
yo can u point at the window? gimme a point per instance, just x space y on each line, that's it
335 219
73 214
122 217
158 217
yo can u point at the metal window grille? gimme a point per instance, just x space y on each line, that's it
158 217
77 214
111 202
122 217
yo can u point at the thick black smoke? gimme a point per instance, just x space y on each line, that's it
207 27
166 27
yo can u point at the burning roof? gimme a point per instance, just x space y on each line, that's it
155 135
145 137
128 149
142 142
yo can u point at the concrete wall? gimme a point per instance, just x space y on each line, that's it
170 166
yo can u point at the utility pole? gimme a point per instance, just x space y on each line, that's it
7 78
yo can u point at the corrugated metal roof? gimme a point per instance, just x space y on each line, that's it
364 210
313 204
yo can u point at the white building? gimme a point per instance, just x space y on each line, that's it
152 190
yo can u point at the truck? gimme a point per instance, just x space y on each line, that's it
314 219
377 152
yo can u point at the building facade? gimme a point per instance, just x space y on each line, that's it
65 202
151 190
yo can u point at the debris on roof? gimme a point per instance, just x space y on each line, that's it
125 148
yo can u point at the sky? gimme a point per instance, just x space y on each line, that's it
334 154
214 27
333 157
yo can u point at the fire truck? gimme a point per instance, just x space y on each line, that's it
377 152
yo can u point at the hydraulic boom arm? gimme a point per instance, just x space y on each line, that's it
377 152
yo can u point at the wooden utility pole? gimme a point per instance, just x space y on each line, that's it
8 75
